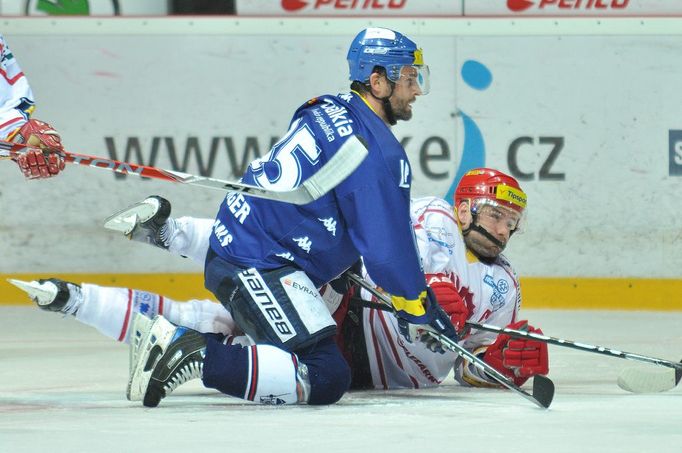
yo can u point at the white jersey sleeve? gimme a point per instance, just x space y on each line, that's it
436 231
16 97
490 289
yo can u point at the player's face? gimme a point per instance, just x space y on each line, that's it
499 222
406 90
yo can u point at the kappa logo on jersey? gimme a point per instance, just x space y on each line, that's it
404 174
304 243
522 5
267 304
499 290
330 225
286 256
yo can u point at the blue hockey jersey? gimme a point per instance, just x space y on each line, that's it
367 215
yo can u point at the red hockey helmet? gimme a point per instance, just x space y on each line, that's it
492 187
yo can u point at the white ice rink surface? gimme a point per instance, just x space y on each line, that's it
62 389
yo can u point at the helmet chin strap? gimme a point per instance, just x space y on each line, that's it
487 235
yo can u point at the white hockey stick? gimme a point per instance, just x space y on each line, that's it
543 387
340 166
633 379
638 380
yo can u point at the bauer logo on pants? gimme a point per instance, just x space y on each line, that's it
267 304
675 144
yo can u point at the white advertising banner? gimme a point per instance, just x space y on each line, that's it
590 125
294 8
585 8
84 8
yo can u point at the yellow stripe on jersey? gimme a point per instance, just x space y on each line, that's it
413 307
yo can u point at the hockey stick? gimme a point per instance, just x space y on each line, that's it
632 380
342 164
543 387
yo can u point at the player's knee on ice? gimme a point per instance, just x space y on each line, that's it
328 372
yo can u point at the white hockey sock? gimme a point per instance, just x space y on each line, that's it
188 236
110 311
200 315
272 377
260 373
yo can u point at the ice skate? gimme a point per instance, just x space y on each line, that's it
166 357
52 294
143 221
140 327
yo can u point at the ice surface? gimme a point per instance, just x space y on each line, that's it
62 388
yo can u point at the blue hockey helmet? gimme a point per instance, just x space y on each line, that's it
389 49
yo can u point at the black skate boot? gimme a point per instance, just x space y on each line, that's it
144 221
52 294
166 357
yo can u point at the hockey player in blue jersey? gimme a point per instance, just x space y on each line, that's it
267 258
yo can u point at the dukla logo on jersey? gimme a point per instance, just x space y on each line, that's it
519 6
499 290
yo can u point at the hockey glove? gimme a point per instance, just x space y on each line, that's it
39 164
518 358
434 319
450 300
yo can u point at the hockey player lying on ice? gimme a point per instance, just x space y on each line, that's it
461 253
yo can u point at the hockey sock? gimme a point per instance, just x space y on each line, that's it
261 373
110 310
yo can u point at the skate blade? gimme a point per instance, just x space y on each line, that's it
151 347
36 291
122 224
127 219
140 326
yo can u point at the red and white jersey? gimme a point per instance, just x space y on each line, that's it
490 289
16 97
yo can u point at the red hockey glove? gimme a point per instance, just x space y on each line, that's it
518 358
450 300
36 164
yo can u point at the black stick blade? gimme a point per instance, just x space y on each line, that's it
543 390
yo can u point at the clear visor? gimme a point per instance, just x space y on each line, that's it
492 212
414 78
